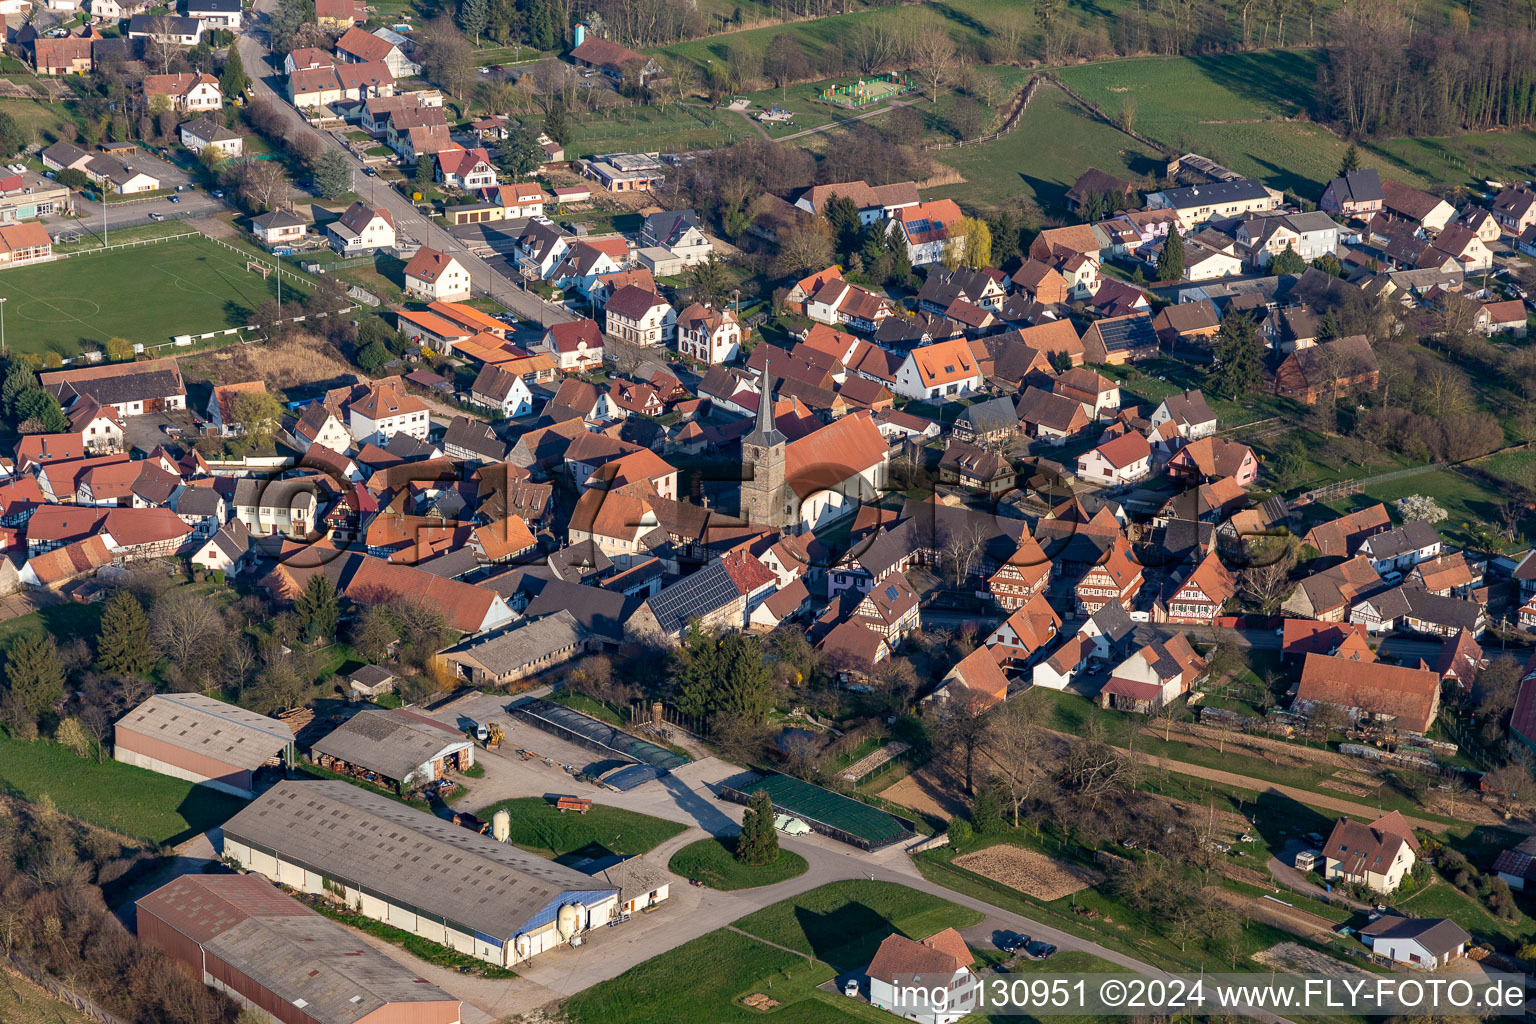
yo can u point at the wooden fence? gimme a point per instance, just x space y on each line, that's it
62 992
1020 104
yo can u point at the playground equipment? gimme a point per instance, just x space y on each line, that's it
867 92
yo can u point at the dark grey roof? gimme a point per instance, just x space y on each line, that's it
410 857
669 225
392 743
1113 622
1130 332
574 561
1442 611
195 7
1439 935
128 386
278 219
64 153
600 612
1402 539
994 414
524 645
708 590
474 437
211 131
1210 193
163 24
198 501
451 564
1362 186
411 449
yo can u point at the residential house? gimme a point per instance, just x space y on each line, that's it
1356 194
384 411
221 410
987 422
187 90
1427 943
1115 579
838 302
1200 597
576 345
1197 204
640 317
319 425
1187 323
1400 549
340 14
132 389
1120 460
279 228
70 55
1331 370
466 169
680 233
1378 856
617 62
707 334
292 507
1156 675
1024 635
357 46
166 29
362 229
1050 417
965 465
433 275
496 387
975 684
929 231
1094 186
1464 246
1309 235
938 370
1515 209
1026 573
1212 458
876 203
1343 536
224 14
1418 208
905 976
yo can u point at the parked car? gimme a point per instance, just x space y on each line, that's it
790 826
851 987
175 199
156 216
1039 950
1011 943
370 172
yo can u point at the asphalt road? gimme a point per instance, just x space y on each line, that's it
408 220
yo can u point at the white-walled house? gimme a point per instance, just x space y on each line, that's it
384 412
433 276
640 317
1422 942
929 982
576 345
707 334
362 229
938 370
1121 460
1377 855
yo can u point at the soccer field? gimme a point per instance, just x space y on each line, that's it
147 294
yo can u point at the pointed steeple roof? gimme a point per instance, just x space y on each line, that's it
765 434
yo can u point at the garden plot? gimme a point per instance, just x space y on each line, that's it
1029 871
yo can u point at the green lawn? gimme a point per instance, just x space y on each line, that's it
1468 502
44 118
22 1002
116 796
842 923
147 294
704 981
713 861
1017 165
538 826
1441 899
649 129
63 622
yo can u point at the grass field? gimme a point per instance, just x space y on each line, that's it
704 981
146 294
116 796
654 129
1468 502
538 826
1018 166
842 923
1441 899
713 861
22 1002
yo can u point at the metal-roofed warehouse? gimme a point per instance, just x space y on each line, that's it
588 732
267 950
831 814
393 747
415 871
194 737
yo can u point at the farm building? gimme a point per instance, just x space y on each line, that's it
648 761
268 951
831 814
398 748
518 653
194 737
418 872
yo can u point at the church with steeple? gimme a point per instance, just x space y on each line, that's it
766 498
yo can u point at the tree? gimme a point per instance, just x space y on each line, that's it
19 377
784 61
373 633
803 249
723 677
520 155
557 125
14 136
40 413
977 252
1351 161
758 844
1417 506
122 646
259 184
332 174
34 680
933 53
119 349
1287 262
1239 368
188 629
1170 265
707 280
474 15
987 812
1014 743
72 179
233 80
259 412
446 57
373 356
73 735
318 607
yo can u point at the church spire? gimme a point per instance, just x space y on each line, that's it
766 434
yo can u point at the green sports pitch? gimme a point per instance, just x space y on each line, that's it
147 294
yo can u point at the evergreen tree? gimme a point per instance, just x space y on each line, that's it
38 412
1239 368
423 169
1351 161
842 214
1287 262
521 154
318 608
33 678
723 676
122 648
759 842
333 175
557 125
1328 327
19 377
987 812
474 15
233 80
372 356
1170 265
